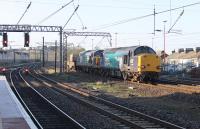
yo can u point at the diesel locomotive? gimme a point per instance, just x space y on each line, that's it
136 63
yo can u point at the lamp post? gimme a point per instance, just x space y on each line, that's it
43 52
164 40
92 43
116 39
55 56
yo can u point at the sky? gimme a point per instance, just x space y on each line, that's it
100 16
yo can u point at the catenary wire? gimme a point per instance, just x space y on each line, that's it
141 17
83 27
24 12
46 18
71 16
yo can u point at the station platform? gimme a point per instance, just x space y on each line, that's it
12 113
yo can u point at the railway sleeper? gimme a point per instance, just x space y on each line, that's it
156 128
136 119
49 121
111 110
133 118
123 127
153 127
147 125
126 117
57 125
114 110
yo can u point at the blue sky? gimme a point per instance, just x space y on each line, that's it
95 14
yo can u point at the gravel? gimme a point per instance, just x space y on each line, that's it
85 116
178 108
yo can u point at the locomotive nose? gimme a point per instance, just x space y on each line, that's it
149 63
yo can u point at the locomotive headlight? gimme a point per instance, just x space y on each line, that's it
143 66
158 67
4 69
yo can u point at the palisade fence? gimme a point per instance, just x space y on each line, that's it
9 57
19 56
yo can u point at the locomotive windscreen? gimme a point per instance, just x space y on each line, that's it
144 49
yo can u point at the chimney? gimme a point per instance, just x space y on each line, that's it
187 50
197 49
173 51
180 50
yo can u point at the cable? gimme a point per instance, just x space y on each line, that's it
55 12
83 27
24 12
100 42
141 17
176 21
123 21
70 17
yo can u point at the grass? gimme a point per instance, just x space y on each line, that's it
114 89
98 85
61 76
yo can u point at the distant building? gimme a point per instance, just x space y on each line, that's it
184 58
14 55
163 55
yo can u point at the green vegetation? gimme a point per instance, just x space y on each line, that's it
61 76
110 88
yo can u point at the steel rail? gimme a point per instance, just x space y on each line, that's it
74 122
92 105
23 103
118 107
178 81
78 125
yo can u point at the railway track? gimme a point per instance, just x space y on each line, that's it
128 117
170 87
44 114
165 81
179 81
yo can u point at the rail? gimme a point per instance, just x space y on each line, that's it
123 114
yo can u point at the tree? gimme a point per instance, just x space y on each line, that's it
74 50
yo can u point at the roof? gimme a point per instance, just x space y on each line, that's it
184 55
121 49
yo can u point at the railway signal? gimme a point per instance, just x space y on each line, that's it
5 40
26 40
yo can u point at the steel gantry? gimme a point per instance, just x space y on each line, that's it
36 28
73 33
29 28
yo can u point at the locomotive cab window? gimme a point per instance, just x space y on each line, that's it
141 50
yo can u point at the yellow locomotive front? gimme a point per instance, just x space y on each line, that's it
148 67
